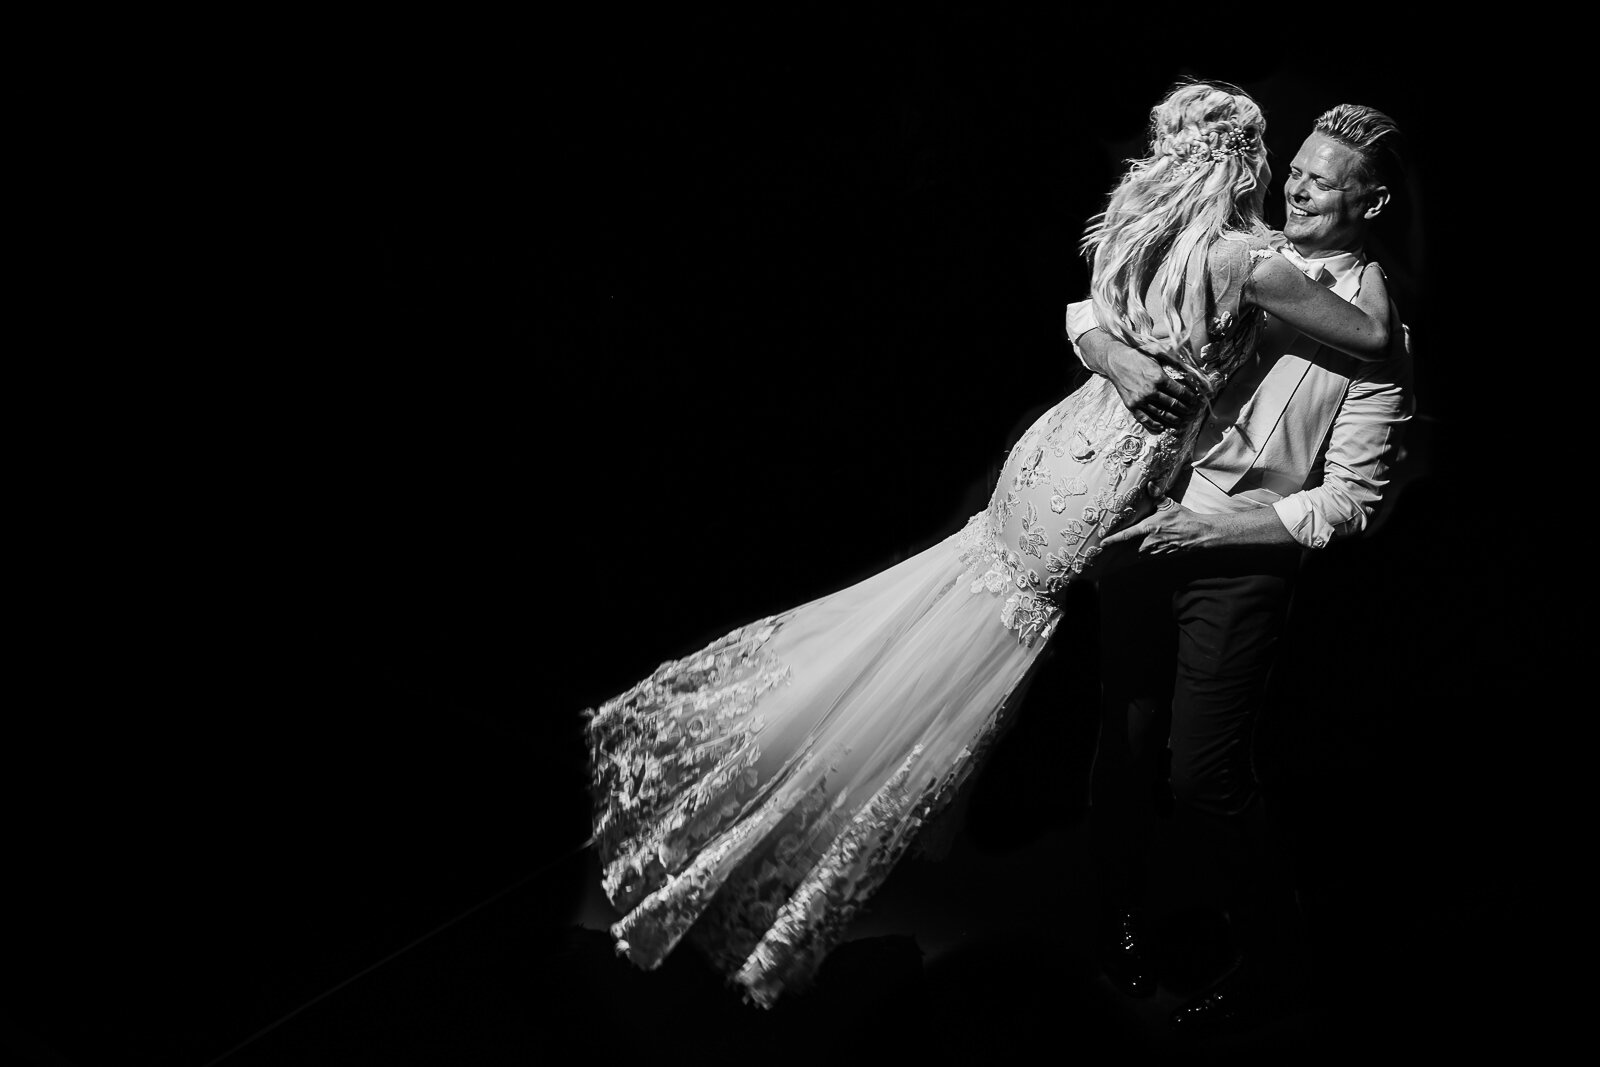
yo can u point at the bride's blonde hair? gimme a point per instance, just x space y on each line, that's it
1148 249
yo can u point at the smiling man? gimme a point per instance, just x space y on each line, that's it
1331 195
1293 454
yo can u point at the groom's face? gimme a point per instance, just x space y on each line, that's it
1328 205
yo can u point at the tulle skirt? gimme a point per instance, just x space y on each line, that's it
754 794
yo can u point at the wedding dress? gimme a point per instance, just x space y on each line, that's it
754 794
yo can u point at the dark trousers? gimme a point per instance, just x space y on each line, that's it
1186 645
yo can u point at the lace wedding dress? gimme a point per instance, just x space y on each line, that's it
754 794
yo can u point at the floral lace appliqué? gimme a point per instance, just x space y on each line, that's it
673 759
991 568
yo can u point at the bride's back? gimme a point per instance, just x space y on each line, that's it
1203 183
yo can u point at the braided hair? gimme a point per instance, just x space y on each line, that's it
1204 176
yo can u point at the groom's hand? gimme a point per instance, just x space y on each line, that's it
1170 529
1158 401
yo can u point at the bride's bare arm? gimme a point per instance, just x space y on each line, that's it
1360 327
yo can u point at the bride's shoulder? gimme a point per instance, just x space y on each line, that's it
1234 247
1237 249
1259 237
1233 255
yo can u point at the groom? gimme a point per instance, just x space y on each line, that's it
1293 454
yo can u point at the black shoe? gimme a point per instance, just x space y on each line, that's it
1126 953
1242 999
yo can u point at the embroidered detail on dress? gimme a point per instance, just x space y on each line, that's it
1128 449
750 899
811 922
1030 471
1031 615
651 930
1032 540
1121 518
1064 488
1026 612
673 759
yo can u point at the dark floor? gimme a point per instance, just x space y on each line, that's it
983 953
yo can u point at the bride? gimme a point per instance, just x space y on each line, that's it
753 795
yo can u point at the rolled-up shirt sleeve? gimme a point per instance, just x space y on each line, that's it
1080 320
1363 444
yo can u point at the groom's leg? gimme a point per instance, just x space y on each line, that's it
1128 780
1230 615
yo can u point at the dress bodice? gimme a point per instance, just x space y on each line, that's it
1079 472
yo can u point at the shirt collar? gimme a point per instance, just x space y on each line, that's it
1336 266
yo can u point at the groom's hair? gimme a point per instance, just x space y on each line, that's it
1374 137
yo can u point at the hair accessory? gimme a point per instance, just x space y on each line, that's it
1237 141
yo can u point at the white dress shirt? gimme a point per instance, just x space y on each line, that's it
1301 428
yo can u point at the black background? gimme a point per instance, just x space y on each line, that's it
540 354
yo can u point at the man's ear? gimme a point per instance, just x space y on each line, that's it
1377 200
